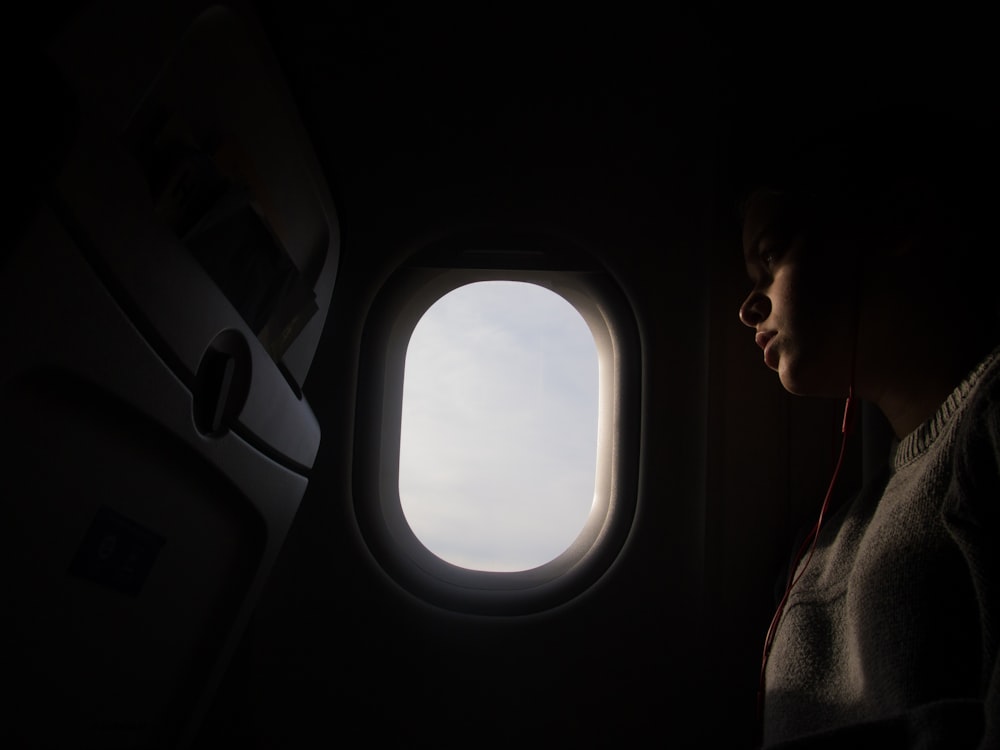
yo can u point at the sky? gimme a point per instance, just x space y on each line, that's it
499 428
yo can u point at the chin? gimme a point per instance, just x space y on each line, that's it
794 388
812 384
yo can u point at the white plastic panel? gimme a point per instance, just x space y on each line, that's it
167 153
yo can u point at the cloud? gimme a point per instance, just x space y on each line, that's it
499 426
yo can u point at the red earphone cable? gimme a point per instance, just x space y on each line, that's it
810 543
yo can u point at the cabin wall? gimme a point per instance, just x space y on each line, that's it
616 132
665 645
599 668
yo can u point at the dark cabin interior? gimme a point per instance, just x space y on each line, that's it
630 129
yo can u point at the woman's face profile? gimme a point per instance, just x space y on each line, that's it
801 301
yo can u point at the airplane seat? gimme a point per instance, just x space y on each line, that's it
38 137
162 297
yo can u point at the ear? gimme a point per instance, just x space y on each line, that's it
903 247
887 247
909 211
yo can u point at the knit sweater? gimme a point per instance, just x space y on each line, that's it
890 637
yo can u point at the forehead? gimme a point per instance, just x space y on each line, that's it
768 212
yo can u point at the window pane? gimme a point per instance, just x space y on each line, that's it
499 427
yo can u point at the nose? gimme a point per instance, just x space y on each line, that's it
755 309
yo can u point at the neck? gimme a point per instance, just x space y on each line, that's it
918 384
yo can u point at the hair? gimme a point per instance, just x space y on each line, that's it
929 179
891 170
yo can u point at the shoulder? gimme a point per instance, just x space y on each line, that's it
976 467
981 417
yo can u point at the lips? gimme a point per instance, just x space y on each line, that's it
764 339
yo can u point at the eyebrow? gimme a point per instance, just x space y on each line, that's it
789 218
753 248
751 253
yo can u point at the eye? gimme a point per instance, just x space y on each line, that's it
769 255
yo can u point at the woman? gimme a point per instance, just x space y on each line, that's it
868 283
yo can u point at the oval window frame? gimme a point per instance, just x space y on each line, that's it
395 311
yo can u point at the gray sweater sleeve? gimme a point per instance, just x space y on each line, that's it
972 516
910 599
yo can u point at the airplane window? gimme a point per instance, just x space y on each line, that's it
499 430
498 426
